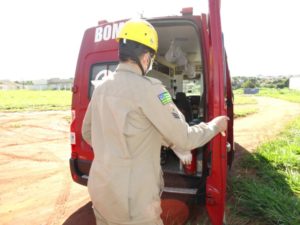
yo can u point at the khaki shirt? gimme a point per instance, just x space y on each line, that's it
128 119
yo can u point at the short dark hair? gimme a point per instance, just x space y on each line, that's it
131 50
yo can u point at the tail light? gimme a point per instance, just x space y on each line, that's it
72 129
73 134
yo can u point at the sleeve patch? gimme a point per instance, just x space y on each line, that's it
165 98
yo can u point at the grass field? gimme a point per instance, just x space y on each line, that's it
20 100
284 94
244 105
268 187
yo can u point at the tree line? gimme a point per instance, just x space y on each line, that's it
259 82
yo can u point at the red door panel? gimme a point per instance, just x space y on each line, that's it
216 180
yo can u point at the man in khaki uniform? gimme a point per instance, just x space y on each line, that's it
128 119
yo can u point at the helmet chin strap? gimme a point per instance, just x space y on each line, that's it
149 67
140 65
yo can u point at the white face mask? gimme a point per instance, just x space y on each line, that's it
149 68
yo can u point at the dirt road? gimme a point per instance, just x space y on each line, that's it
272 116
35 183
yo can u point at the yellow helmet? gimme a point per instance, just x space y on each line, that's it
140 31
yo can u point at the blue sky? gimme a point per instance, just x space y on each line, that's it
40 39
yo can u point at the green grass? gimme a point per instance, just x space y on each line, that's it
241 111
268 188
284 94
20 100
244 105
244 99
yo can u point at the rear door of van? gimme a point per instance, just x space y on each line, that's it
216 88
98 57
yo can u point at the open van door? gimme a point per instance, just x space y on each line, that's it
216 179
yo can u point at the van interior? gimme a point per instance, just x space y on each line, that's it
178 65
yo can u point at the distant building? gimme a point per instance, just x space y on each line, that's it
294 82
42 84
51 84
9 85
38 85
60 84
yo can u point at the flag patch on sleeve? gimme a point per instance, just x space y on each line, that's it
165 98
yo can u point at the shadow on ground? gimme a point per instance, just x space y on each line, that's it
83 216
174 213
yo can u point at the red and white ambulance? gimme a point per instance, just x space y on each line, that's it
191 63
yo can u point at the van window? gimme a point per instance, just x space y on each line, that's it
98 72
193 87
